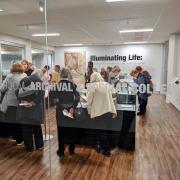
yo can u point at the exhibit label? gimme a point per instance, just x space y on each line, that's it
130 57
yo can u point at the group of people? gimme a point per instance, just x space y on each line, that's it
113 74
23 112
110 74
100 102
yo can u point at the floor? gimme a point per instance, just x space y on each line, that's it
157 154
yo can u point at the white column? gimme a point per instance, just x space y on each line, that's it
173 89
28 54
171 60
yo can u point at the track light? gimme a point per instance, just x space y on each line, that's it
44 35
73 44
136 42
136 30
41 6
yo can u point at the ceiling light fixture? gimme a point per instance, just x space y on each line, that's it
73 44
136 30
44 35
115 0
141 42
1 10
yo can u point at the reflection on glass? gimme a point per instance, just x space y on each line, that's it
9 55
39 58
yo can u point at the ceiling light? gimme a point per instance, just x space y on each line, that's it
41 6
41 9
115 0
73 44
141 42
1 10
48 34
136 30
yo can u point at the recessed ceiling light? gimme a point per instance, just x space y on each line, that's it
1 10
48 34
141 42
115 0
73 44
136 30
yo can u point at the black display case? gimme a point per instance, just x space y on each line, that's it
121 130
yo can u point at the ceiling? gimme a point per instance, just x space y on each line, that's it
91 22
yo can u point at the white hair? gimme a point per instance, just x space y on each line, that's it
96 77
38 72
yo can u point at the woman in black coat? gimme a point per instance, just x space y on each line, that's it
31 113
67 98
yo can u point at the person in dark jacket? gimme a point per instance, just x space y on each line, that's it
31 113
88 73
67 99
142 79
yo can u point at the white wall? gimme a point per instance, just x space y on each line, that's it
173 90
165 68
152 57
177 64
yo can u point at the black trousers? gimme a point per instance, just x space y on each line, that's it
126 125
142 104
13 129
61 134
28 132
102 135
61 143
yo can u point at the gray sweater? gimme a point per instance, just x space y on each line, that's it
9 86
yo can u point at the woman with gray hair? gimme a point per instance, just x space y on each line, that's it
67 100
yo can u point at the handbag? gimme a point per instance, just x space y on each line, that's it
27 93
3 105
2 96
80 113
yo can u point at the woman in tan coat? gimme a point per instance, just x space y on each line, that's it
100 106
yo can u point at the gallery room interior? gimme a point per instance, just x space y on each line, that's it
87 116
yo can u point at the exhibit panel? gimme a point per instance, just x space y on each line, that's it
125 56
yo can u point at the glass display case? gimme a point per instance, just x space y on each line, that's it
126 95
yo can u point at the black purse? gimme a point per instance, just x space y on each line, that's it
2 96
26 93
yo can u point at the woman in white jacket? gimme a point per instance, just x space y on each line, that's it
101 106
